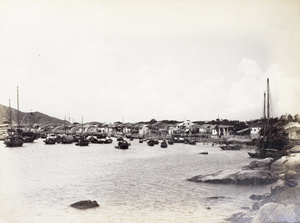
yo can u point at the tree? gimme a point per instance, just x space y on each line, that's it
152 121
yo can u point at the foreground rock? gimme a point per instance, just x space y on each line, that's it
274 212
243 177
283 204
85 204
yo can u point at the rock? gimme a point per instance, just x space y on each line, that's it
257 197
241 217
287 196
278 165
262 164
244 177
85 204
273 212
278 187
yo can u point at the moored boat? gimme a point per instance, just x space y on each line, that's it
122 145
230 147
50 139
82 141
14 140
65 139
150 142
163 144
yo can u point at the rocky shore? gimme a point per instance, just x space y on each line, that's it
282 204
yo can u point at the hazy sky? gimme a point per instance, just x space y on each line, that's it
138 60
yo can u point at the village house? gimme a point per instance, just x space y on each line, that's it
143 129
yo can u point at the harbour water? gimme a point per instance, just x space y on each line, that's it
38 183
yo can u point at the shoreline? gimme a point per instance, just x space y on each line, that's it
282 204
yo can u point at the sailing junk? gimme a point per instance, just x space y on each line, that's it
273 140
13 139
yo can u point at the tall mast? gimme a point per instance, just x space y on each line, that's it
264 109
18 106
10 115
268 103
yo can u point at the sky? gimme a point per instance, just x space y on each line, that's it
136 60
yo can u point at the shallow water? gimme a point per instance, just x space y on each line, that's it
38 182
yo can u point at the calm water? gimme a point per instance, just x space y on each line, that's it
38 182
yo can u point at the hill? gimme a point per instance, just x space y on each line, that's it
28 117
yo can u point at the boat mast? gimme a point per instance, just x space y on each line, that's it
81 125
18 106
268 104
10 116
265 123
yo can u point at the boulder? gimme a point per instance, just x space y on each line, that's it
262 164
273 212
85 204
244 177
287 196
278 165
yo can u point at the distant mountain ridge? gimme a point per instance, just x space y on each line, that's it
28 117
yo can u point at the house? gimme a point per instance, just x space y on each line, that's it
293 130
254 132
143 129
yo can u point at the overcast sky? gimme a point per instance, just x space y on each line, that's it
137 60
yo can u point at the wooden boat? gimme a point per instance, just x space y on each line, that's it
170 142
231 147
13 139
50 140
122 145
65 139
29 136
82 141
272 142
151 142
163 144
108 140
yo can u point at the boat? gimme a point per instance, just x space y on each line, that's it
82 141
13 139
272 141
163 144
187 141
151 142
106 140
50 139
122 145
66 139
179 140
29 136
170 142
230 147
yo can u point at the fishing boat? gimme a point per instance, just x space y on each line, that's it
66 139
13 139
151 142
82 141
50 139
272 141
230 147
122 145
163 144
170 142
